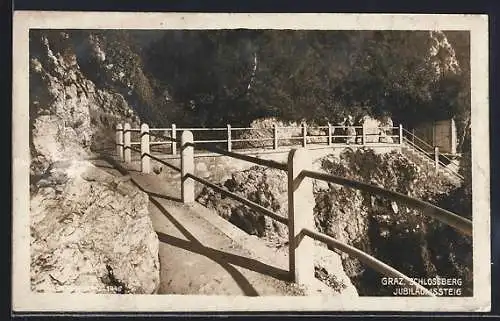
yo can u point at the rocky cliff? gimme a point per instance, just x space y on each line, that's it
69 115
90 232
404 238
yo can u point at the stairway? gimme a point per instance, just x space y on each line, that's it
429 165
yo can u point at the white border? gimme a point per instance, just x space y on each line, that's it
24 300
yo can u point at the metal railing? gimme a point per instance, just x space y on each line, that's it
431 152
447 217
300 219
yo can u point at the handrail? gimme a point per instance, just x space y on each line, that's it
251 128
365 258
131 148
251 139
161 161
427 153
163 136
418 138
449 170
202 128
443 166
243 200
303 136
211 141
418 149
255 160
161 129
462 224
405 139
426 143
297 228
259 128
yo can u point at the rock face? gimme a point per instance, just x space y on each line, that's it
404 238
264 186
90 232
68 114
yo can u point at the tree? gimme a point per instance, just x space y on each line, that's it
220 76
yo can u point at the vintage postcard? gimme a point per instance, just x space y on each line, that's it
186 162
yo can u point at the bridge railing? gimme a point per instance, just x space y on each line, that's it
277 136
300 220
287 136
431 152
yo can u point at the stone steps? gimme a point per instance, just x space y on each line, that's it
427 161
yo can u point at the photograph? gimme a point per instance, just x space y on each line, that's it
170 162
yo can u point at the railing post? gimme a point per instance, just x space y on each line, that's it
145 160
304 135
436 158
329 134
275 136
187 167
174 137
300 215
400 134
126 143
363 134
119 141
228 137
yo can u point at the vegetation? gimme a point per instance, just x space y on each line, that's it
244 74
213 77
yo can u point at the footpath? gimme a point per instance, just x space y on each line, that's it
200 252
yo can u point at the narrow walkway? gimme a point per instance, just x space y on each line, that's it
197 257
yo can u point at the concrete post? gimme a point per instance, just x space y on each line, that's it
187 167
363 133
329 134
119 141
126 143
304 135
229 137
145 160
453 137
400 134
300 215
275 136
436 158
174 137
